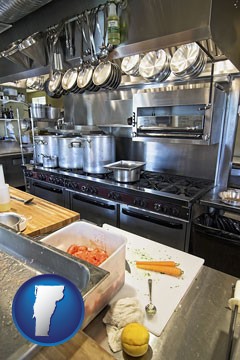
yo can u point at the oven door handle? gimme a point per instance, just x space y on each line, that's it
94 202
52 189
148 218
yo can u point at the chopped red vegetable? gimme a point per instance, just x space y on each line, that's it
94 256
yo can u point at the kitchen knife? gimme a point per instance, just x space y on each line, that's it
127 267
234 304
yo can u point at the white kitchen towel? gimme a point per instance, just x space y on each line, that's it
121 313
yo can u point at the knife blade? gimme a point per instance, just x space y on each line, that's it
127 267
234 304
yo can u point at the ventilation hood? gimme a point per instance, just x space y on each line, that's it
161 24
14 10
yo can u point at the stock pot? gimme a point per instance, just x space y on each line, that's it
98 151
45 145
70 152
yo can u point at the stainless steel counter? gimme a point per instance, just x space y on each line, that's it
197 330
211 199
8 148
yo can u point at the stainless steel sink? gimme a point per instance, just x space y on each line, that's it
22 258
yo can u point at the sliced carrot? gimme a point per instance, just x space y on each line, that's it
161 263
169 270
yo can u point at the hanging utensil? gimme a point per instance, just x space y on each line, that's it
13 54
54 84
84 80
34 47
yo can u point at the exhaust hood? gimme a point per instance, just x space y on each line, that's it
14 10
166 24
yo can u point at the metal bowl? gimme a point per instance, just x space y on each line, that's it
13 220
230 197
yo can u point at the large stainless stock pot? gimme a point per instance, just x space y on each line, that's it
45 145
98 150
70 152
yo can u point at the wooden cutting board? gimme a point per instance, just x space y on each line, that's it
80 347
168 290
42 216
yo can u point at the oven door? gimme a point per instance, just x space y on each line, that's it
94 209
50 192
162 229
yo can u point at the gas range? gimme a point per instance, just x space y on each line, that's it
167 194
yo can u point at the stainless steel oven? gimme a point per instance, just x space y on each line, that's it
50 192
192 116
163 229
158 206
93 208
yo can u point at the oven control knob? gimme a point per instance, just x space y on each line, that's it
157 207
84 188
42 177
51 179
165 210
73 185
61 182
29 173
139 202
114 196
92 190
175 212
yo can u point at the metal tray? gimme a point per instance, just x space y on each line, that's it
230 197
22 258
125 165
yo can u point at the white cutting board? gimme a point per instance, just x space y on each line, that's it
167 290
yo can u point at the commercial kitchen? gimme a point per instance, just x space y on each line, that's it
120 123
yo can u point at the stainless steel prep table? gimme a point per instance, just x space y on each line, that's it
199 327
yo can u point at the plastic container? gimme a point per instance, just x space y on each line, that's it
83 233
4 198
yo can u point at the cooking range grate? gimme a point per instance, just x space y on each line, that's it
173 184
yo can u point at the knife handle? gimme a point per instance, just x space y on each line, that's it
235 301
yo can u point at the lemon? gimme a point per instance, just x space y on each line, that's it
135 339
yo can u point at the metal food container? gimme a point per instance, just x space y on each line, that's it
126 171
83 233
22 258
13 220
230 197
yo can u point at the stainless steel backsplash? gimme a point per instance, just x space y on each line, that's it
107 108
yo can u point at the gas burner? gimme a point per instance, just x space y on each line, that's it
161 178
191 191
173 190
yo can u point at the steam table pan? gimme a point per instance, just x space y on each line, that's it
125 170
22 258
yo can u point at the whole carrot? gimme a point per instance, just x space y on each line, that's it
169 270
160 263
